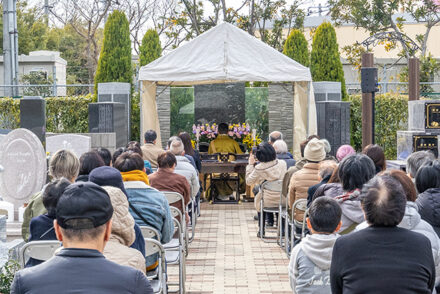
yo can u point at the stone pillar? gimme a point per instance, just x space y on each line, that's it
413 79
163 101
281 110
367 106
33 116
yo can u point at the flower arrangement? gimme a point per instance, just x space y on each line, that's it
240 132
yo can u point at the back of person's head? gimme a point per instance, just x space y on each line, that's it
223 128
355 170
166 160
280 146
334 178
304 143
83 212
315 151
105 155
325 215
375 152
52 193
344 151
117 152
107 176
326 168
327 146
275 136
265 152
383 201
89 161
150 136
135 149
187 144
407 184
129 161
64 164
416 160
176 147
428 176
171 139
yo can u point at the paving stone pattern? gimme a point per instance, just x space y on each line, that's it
227 257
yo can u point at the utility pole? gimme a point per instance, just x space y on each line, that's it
10 47
46 11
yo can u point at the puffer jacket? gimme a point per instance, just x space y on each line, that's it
117 248
266 171
300 183
154 207
329 189
413 222
428 203
309 267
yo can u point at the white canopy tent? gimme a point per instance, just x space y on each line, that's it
223 54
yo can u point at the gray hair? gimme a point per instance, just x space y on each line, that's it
275 136
416 160
171 139
64 164
177 147
280 146
327 146
326 168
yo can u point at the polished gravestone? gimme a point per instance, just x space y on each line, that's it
334 123
424 115
76 143
216 103
109 117
24 161
33 115
116 92
412 141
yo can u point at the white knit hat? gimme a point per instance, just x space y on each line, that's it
315 150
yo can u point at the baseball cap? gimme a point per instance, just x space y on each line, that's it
85 202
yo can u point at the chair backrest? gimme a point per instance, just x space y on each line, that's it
174 197
203 147
275 186
149 232
41 250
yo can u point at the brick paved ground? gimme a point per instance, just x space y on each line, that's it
227 257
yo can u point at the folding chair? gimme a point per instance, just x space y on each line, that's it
174 197
282 217
273 186
299 205
42 250
152 247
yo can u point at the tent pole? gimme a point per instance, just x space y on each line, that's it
141 110
308 109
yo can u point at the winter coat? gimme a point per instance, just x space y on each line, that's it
41 229
352 213
428 203
289 161
186 169
329 189
34 208
82 178
153 206
266 171
413 222
309 267
300 183
151 152
311 191
123 235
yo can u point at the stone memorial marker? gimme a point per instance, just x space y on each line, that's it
109 117
76 143
216 103
327 91
24 161
33 115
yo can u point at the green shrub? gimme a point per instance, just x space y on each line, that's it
7 272
296 47
325 61
135 117
9 113
150 49
391 116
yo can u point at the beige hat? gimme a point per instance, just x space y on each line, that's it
315 150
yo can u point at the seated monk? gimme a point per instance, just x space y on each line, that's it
223 143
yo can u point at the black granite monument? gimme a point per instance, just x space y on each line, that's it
33 116
216 103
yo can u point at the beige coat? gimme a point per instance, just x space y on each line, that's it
117 248
151 152
300 183
266 171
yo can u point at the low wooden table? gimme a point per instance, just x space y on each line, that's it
216 167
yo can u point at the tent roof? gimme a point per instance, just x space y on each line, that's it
225 53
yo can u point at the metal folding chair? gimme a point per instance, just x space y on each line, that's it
282 217
174 197
42 250
298 206
273 186
152 247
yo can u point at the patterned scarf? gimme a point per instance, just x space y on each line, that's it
135 175
348 196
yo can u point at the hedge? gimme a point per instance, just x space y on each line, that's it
391 116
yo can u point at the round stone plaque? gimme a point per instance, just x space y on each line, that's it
24 161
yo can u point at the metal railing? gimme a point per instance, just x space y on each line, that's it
49 90
428 89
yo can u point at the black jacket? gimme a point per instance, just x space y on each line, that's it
382 260
41 229
428 203
80 271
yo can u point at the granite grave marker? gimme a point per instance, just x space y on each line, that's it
76 143
33 115
109 117
24 160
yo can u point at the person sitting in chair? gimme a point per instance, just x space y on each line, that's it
223 143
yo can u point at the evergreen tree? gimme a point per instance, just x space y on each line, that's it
150 49
325 61
114 63
296 48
